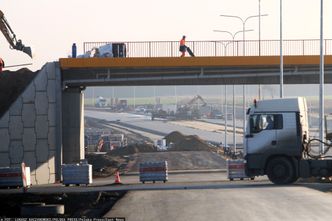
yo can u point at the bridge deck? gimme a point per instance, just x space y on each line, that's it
192 70
72 63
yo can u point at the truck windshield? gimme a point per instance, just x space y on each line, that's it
259 122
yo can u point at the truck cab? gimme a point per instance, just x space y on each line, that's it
275 134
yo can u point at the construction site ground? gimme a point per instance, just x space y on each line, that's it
186 153
191 153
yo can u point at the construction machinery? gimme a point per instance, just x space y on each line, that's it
186 111
191 110
11 37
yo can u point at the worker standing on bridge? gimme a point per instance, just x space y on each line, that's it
2 65
183 47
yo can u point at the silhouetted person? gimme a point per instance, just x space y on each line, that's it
183 47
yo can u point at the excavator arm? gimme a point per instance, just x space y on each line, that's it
11 37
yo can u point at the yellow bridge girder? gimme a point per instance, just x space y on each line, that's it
237 61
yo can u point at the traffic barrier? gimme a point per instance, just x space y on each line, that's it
15 176
236 169
153 171
77 174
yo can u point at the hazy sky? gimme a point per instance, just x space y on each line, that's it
50 27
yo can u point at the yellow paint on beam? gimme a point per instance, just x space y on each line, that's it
68 63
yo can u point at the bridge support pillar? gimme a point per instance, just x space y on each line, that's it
73 125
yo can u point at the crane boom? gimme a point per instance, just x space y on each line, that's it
11 37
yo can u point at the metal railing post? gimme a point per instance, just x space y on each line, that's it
172 49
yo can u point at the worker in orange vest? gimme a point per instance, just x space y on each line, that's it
183 47
2 64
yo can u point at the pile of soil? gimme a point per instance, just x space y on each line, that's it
12 84
134 148
105 165
84 204
179 142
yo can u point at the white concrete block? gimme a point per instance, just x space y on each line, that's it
52 178
42 150
41 80
50 70
33 178
52 138
29 94
42 173
15 127
51 91
4 160
42 127
41 103
51 161
52 114
29 139
29 115
4 120
16 108
16 152
4 139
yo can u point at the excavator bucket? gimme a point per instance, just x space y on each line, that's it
19 46
27 50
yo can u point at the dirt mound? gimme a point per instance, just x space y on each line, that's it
179 142
134 148
104 165
174 137
12 84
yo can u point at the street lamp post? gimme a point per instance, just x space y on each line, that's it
244 20
281 57
243 25
233 34
321 80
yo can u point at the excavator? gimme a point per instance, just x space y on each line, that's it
11 37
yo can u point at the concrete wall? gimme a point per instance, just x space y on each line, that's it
30 131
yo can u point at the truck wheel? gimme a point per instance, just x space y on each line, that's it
280 171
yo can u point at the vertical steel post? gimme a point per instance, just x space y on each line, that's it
321 80
281 57
225 115
259 27
234 123
244 112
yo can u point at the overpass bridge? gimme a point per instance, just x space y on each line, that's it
216 62
84 72
44 127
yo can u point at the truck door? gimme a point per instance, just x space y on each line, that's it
262 133
289 135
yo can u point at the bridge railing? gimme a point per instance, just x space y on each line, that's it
220 48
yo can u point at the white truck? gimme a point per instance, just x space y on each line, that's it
277 142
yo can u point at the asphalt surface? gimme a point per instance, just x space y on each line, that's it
209 196
238 201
